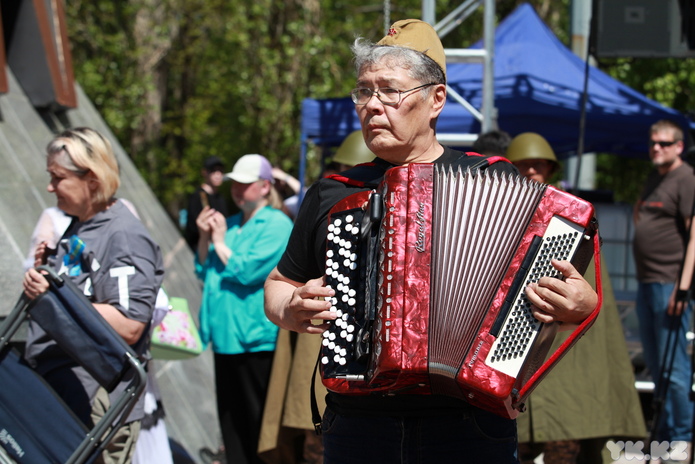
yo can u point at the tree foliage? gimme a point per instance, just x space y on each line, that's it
180 80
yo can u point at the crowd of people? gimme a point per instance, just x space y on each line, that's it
265 305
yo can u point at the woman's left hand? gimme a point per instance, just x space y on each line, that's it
34 283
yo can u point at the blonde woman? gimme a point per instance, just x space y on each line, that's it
110 255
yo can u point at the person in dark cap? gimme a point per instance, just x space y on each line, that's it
400 93
208 194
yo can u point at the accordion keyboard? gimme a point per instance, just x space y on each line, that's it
339 350
519 329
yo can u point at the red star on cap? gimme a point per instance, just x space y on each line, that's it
392 31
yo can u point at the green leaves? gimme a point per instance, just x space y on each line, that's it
180 80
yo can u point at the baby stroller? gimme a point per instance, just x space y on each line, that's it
36 426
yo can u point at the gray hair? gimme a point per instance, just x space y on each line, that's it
420 67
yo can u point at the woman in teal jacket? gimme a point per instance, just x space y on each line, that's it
233 259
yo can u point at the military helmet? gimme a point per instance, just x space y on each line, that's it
530 145
353 150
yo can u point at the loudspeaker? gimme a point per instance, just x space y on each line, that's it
644 28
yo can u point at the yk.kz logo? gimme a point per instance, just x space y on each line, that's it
638 450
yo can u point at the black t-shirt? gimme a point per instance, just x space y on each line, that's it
305 256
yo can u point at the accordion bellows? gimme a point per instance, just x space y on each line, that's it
429 271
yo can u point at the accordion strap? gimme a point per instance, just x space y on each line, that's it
366 175
483 161
369 175
315 413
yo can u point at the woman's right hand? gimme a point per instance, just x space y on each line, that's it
34 283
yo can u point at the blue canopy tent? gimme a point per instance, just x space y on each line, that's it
539 85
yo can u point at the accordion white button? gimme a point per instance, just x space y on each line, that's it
348 218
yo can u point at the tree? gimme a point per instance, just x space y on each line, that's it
180 80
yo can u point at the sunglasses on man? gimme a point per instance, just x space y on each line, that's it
662 144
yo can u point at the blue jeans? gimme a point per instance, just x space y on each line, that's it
471 436
677 411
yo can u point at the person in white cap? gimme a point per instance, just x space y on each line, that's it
400 92
234 257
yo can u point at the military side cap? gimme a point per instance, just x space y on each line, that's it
417 35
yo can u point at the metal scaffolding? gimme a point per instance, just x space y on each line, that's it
487 115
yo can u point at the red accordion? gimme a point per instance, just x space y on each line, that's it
429 271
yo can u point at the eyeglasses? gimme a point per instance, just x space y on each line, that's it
386 95
662 144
